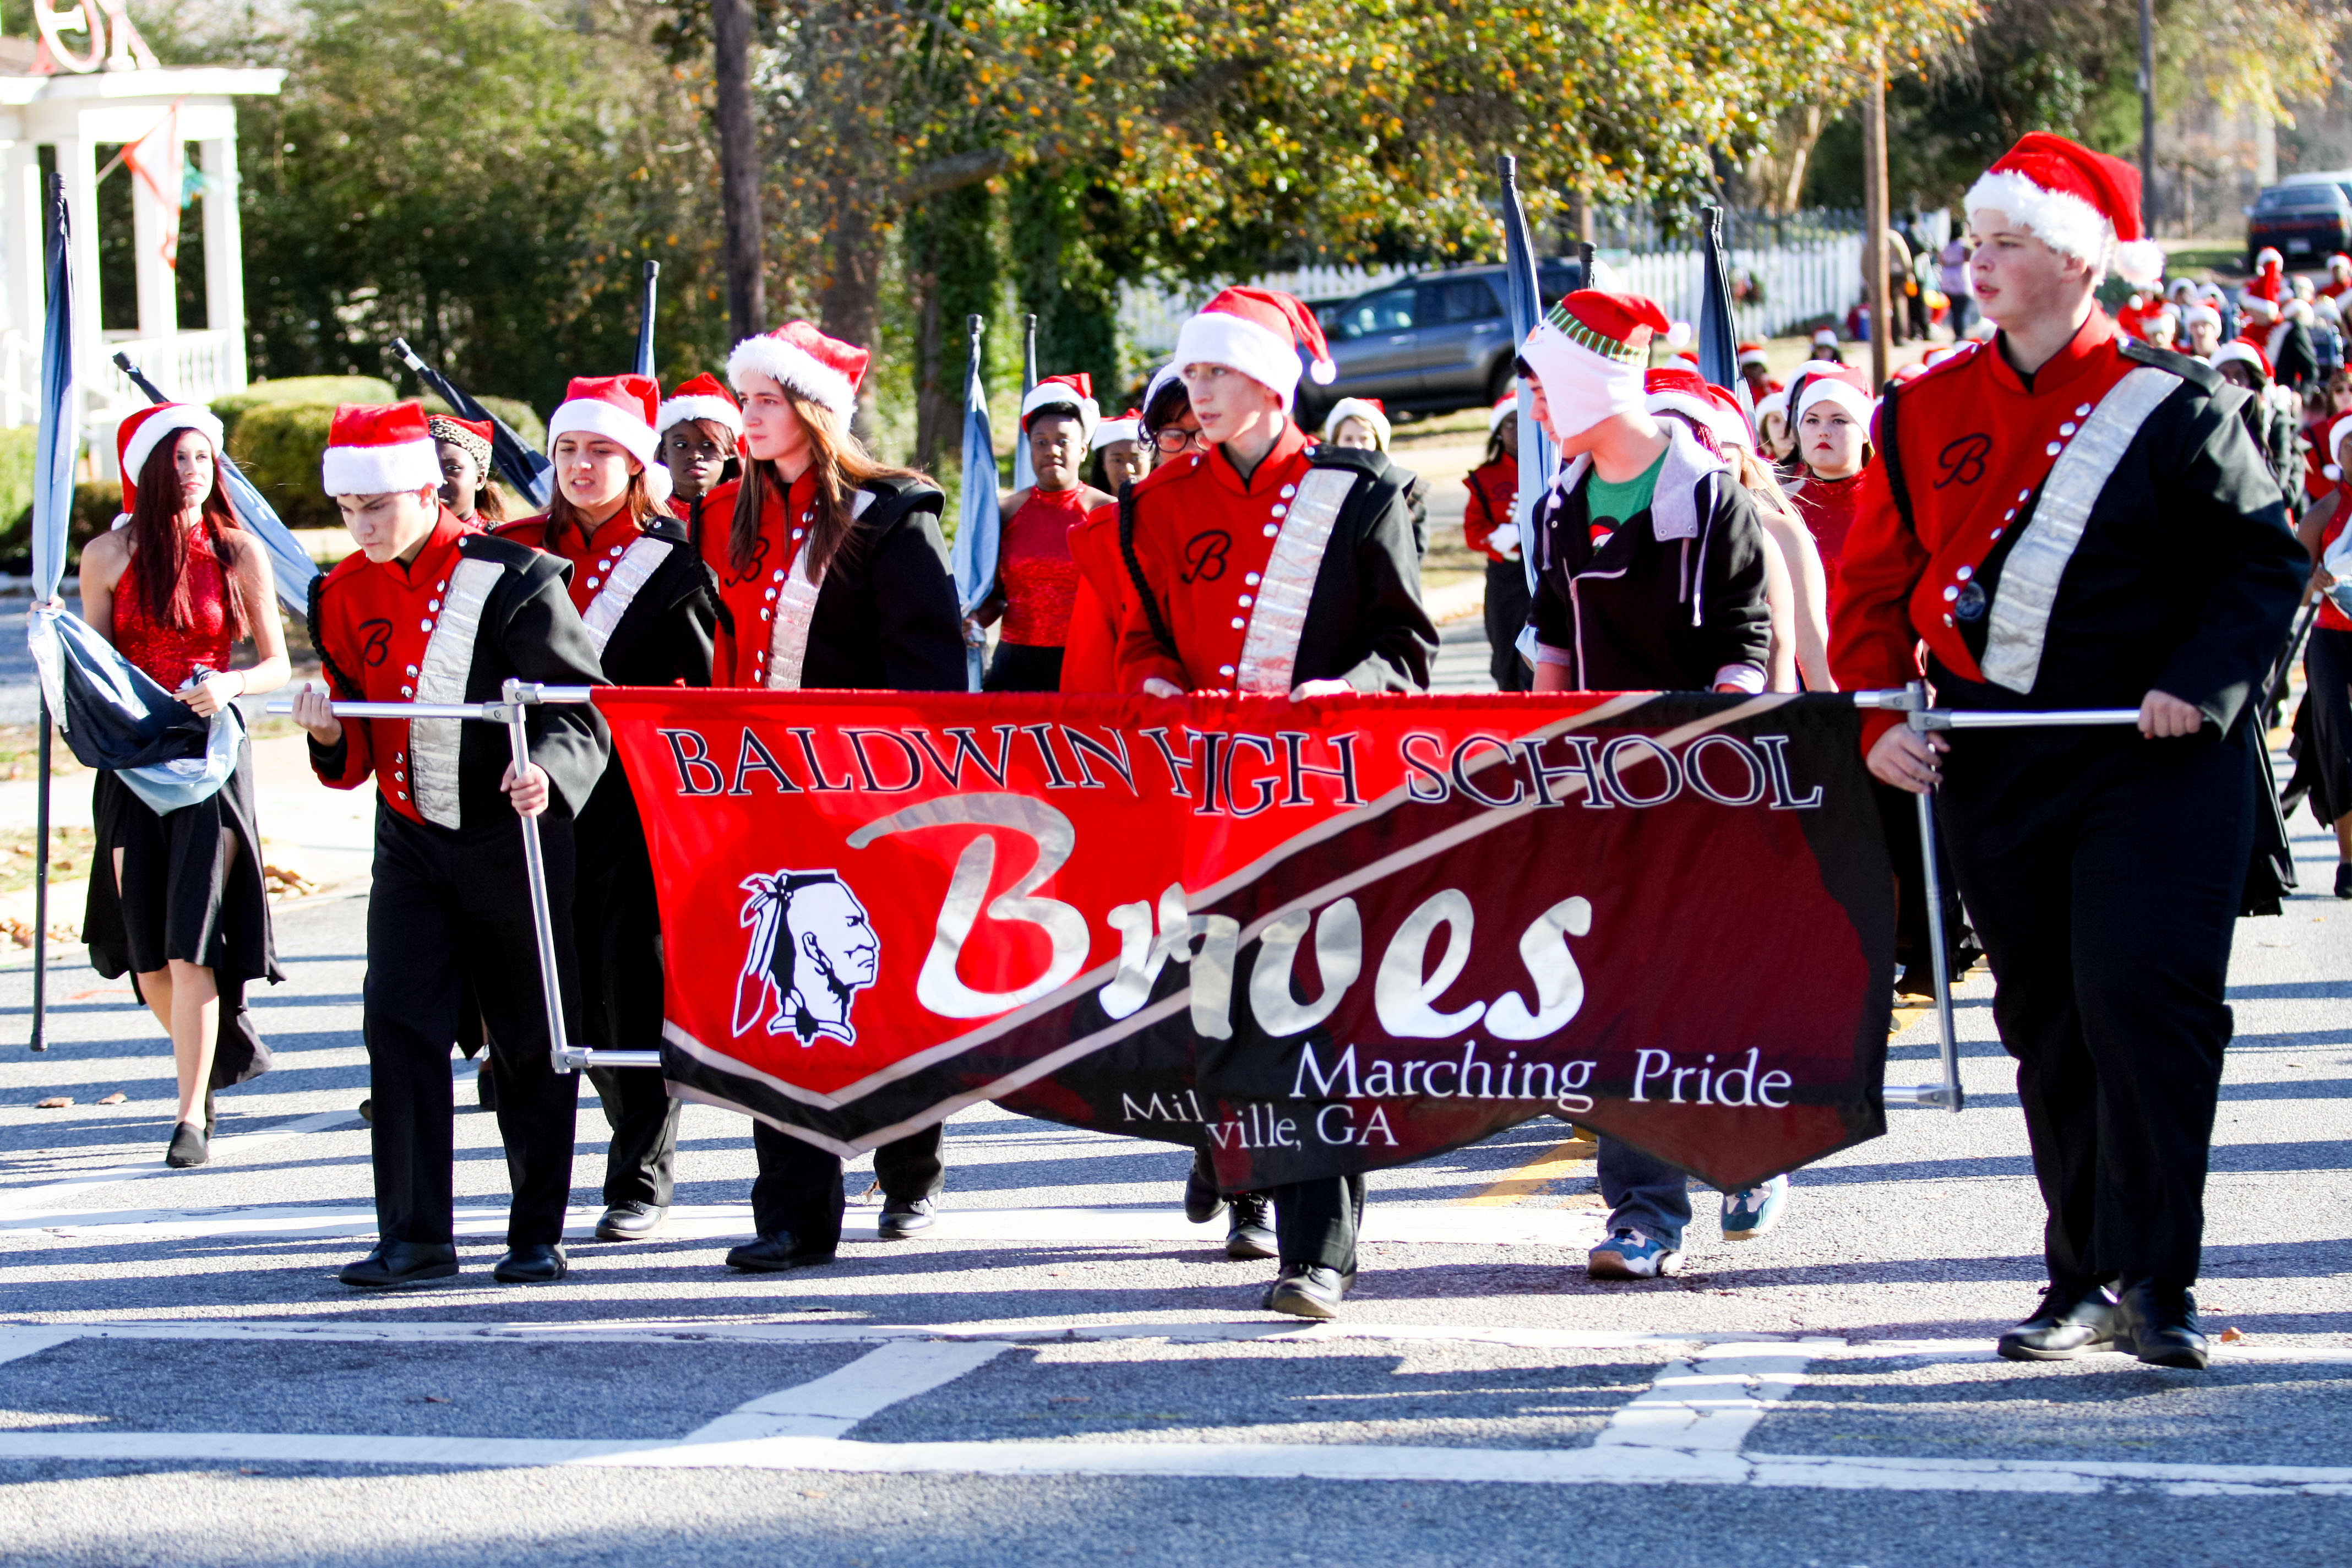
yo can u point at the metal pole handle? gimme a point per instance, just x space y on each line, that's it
1932 883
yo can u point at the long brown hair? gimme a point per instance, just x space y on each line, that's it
841 463
157 539
637 500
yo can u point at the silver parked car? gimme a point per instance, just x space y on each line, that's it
1429 343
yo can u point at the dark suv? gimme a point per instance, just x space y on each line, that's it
1430 343
2306 220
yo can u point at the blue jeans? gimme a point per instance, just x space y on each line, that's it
1643 1192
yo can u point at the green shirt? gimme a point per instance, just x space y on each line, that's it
1615 505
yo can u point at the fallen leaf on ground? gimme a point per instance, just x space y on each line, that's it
116 1098
55 1102
2233 1336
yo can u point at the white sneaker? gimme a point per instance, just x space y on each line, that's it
1629 1254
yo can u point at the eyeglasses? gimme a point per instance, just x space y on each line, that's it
1172 442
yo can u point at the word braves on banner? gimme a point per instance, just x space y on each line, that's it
1311 938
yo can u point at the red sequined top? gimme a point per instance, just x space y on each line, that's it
1041 580
172 653
1828 508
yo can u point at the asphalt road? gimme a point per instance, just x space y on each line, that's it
1067 1372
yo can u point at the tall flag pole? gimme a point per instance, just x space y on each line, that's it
516 460
290 566
1525 303
1718 340
973 559
646 320
1024 472
55 446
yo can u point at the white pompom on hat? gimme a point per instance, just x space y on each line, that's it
621 409
1259 332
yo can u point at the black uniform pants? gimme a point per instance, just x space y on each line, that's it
1507 617
2104 883
1317 1222
798 1190
449 908
618 926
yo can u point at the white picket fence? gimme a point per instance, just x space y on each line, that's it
1801 281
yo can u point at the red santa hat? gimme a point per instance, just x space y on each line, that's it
1258 332
1505 407
1368 409
1127 427
2334 468
2238 351
376 449
2255 305
2340 264
701 398
2077 202
1752 354
2268 259
1071 394
621 409
141 432
2200 311
1731 425
1838 385
799 358
1589 353
1772 405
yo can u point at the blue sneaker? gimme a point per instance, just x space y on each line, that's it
1629 1254
1751 1211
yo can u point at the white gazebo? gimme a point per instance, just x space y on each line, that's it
74 112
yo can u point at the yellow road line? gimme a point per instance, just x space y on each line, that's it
1559 1161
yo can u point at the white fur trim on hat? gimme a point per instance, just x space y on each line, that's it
1220 337
1059 394
167 422
1357 409
2200 312
1829 389
2336 434
1769 403
677 410
1825 337
1110 430
380 470
2066 224
1505 407
795 370
1754 356
2237 351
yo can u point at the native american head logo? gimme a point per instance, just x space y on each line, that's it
812 949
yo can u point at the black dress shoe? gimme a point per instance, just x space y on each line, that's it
486 1088
532 1263
774 1253
367 1111
2161 1323
397 1263
901 1220
2344 879
1250 1234
631 1222
2073 1321
1309 1290
188 1147
1202 1202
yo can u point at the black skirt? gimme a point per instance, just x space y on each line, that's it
1023 667
184 897
2323 725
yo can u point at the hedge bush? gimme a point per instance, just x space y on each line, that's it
277 442
327 389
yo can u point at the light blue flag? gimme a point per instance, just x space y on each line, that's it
977 526
1525 305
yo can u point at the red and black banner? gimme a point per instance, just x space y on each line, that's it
1313 938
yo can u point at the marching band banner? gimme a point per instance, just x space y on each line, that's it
1313 938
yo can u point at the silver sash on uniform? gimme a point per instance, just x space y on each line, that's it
2021 605
629 573
788 636
1278 613
441 676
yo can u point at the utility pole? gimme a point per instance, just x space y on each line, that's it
2147 203
739 169
1874 219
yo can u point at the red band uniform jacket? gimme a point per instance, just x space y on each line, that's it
472 612
1201 548
2158 558
883 618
